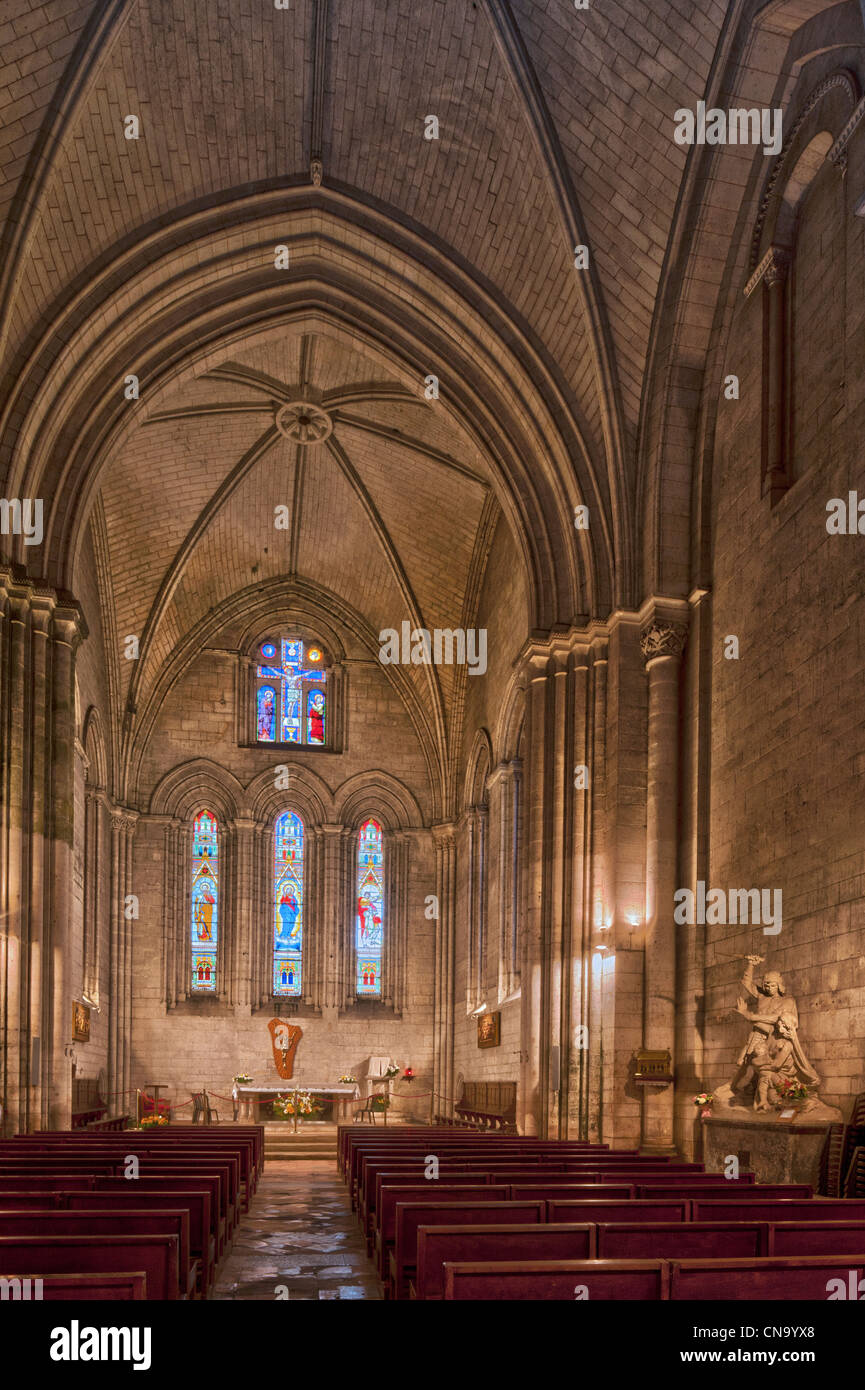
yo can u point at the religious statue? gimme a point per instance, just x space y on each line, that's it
772 1052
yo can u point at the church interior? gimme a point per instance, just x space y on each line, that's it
432 746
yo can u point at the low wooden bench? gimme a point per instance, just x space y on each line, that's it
157 1257
488 1105
411 1216
634 1280
795 1279
494 1243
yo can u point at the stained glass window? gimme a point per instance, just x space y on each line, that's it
205 901
288 905
370 909
266 714
291 693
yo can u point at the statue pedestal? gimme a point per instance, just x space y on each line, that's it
775 1150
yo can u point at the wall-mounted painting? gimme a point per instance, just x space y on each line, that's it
490 1030
80 1022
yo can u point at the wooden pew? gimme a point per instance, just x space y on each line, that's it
47 1182
108 1162
385 1232
633 1280
194 1205
157 1257
586 1192
731 1190
660 1209
410 1216
20 1224
208 1185
779 1209
369 1214
489 1243
79 1288
796 1278
816 1238
681 1240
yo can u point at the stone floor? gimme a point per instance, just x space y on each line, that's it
300 1232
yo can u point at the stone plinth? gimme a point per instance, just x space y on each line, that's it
780 1150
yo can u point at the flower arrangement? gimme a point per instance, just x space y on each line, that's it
348 1080
295 1104
380 1102
391 1072
152 1121
704 1098
790 1090
243 1079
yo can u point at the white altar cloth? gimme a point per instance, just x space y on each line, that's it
247 1095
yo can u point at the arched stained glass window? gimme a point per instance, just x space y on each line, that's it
288 905
291 693
205 901
369 932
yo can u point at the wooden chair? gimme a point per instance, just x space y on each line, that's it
202 1109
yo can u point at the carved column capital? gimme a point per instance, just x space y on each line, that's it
660 638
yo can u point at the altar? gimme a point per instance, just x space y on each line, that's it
340 1096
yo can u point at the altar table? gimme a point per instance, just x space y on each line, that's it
340 1095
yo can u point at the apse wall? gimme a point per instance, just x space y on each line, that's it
203 1042
787 715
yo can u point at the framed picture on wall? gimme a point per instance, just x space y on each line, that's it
490 1030
80 1022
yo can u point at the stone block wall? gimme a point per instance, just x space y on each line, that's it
787 717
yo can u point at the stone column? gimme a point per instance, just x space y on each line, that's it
662 643
244 926
576 937
93 799
334 902
123 823
776 478
396 858
65 637
262 916
532 1091
444 841
15 922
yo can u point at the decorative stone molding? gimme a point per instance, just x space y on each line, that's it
838 153
662 639
773 269
843 79
303 422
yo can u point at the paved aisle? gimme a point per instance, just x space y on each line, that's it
301 1232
